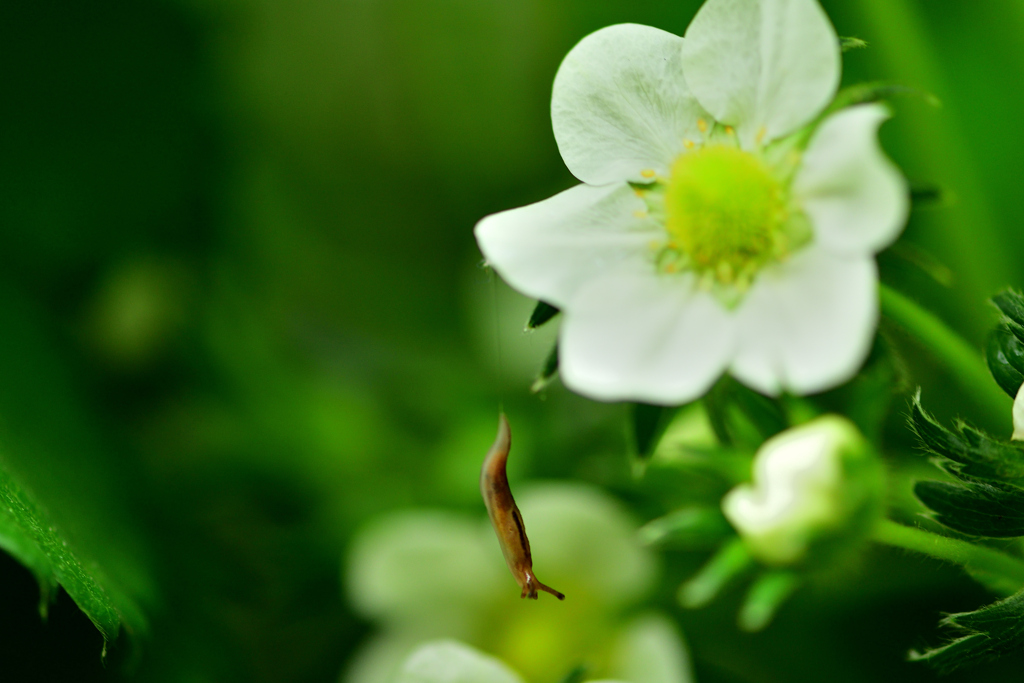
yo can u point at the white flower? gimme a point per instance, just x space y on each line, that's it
710 234
801 490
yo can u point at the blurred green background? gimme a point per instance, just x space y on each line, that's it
242 311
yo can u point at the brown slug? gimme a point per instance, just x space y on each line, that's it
505 516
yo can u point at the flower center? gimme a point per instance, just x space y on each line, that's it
725 214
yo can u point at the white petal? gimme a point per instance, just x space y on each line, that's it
620 104
1018 415
549 249
771 64
651 650
585 544
644 337
449 661
855 197
807 324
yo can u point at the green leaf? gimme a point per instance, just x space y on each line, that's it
29 535
987 634
542 313
975 508
971 452
648 423
65 498
1004 354
691 528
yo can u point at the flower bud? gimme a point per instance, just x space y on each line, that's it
1005 356
1018 415
819 484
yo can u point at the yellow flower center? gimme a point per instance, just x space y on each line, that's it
725 213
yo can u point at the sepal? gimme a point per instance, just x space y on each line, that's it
547 371
692 528
847 43
542 313
648 424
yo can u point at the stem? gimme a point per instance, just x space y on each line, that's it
962 359
975 558
909 54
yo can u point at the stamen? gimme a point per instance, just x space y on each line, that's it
760 134
729 130
702 125
647 173
688 144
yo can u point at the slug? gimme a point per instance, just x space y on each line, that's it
505 516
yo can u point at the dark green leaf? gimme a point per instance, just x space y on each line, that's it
975 508
987 634
649 423
1004 354
1011 304
691 528
542 313
847 43
974 453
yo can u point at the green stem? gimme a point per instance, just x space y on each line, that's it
975 558
963 360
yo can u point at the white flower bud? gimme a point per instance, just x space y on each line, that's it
809 482
1018 415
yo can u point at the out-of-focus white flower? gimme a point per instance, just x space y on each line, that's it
427 575
650 646
809 482
449 661
713 230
